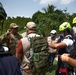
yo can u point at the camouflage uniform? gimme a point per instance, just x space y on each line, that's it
10 42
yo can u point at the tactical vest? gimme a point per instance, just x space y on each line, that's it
26 50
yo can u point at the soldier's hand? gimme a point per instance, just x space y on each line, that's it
8 32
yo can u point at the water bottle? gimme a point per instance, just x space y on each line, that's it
31 52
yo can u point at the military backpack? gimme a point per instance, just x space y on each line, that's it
39 52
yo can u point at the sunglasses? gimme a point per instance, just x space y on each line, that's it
15 28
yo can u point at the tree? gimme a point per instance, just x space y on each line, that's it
50 19
49 9
37 16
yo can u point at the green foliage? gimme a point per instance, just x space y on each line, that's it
43 26
37 16
47 20
50 19
20 21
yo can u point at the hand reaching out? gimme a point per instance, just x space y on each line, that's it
64 57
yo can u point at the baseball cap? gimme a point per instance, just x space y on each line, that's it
13 25
53 32
31 25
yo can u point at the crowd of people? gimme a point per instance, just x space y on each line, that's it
15 54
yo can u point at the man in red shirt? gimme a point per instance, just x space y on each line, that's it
23 48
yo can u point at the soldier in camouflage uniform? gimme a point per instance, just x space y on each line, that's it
11 37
